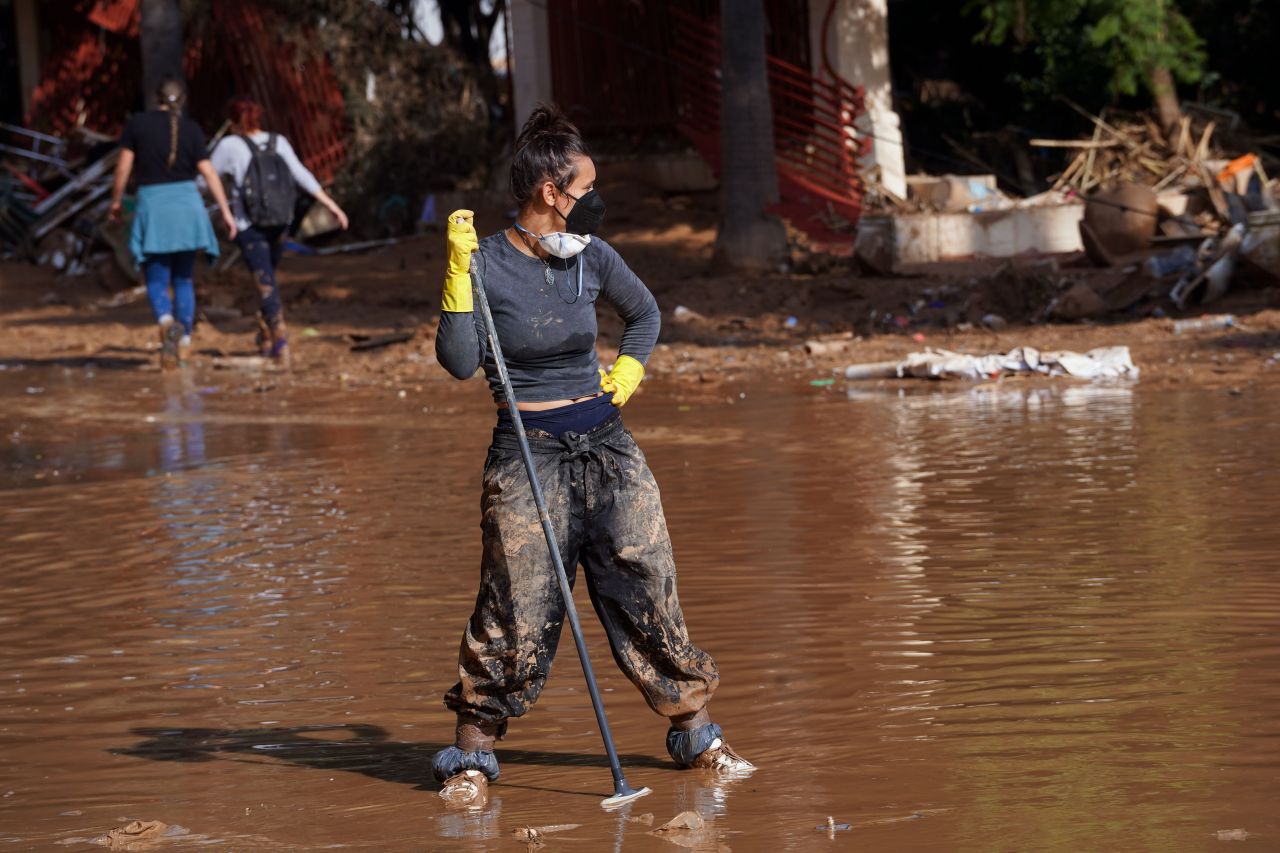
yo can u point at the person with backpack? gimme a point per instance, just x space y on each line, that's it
165 151
265 176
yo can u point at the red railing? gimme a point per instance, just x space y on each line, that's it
294 83
92 75
815 143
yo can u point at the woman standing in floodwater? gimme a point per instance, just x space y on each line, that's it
167 150
543 277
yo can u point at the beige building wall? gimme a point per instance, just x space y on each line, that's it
858 49
28 34
530 58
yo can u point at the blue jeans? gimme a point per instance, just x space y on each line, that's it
262 248
176 269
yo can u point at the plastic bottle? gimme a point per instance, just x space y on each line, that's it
1208 322
1177 261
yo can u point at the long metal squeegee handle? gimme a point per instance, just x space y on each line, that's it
622 792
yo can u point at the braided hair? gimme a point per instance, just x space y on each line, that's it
547 148
172 95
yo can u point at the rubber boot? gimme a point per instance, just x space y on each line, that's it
263 339
280 344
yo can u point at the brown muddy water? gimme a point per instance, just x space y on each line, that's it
1029 617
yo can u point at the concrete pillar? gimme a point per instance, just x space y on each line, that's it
530 58
858 49
27 30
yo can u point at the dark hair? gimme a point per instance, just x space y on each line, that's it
171 95
545 150
245 114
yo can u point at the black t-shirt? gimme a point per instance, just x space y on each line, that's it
147 136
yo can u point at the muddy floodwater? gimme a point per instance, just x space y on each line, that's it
1018 617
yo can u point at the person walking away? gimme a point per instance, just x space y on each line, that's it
264 175
543 277
166 151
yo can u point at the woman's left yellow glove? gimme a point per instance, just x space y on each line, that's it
623 380
461 235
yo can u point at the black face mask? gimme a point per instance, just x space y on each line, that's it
587 214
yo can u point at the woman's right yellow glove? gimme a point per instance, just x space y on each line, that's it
461 235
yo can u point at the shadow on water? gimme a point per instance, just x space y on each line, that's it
368 750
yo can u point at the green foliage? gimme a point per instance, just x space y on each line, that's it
418 119
1128 38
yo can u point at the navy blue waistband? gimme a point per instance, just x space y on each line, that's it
575 417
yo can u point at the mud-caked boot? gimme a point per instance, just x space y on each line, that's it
464 777
262 340
705 748
170 337
280 345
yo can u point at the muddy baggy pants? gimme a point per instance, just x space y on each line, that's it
606 512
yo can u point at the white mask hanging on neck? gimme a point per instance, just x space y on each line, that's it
560 244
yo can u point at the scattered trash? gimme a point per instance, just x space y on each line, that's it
821 383
832 826
1232 835
317 222
685 821
365 342
827 347
791 322
1201 324
1170 263
646 818
1078 303
1215 264
685 315
310 332
139 834
361 246
244 362
1100 363
536 833
1118 221
994 322
124 297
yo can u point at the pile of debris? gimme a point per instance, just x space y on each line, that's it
977 193
1186 210
1135 151
53 194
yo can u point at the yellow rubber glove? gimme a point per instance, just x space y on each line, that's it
461 235
623 380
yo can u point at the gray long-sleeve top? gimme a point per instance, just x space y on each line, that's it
547 331
232 157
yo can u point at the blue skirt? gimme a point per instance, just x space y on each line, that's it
170 218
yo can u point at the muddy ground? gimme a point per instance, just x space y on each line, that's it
740 328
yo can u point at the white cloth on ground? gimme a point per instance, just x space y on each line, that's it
1100 363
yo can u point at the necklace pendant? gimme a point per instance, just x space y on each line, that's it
548 275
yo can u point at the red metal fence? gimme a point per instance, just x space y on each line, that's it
614 65
816 146
91 76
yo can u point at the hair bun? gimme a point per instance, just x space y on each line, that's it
546 120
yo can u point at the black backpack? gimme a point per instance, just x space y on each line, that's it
268 191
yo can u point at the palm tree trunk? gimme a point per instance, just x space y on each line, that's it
161 42
749 240
1168 110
